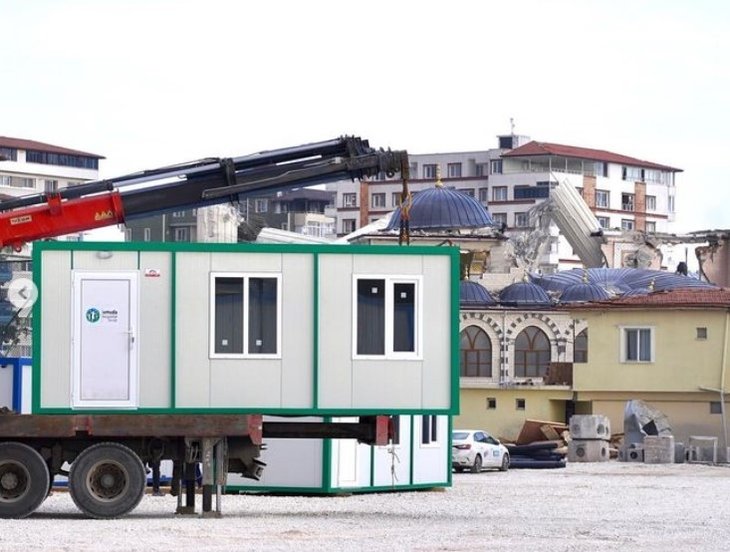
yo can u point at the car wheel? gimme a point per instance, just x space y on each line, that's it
23 480
458 470
505 463
477 466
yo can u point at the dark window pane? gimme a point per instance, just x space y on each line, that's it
228 315
262 315
580 347
425 429
404 318
395 421
371 317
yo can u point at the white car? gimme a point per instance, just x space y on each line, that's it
475 450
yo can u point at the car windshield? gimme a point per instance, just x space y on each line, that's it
460 435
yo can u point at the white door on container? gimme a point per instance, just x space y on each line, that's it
105 341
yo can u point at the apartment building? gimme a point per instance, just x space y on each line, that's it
29 167
625 193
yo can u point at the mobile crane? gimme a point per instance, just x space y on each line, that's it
108 452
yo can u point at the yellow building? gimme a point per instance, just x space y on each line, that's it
669 349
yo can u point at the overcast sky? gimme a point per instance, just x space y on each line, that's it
151 82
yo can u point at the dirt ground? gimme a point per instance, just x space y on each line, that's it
584 507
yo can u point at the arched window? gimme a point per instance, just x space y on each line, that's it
532 353
580 347
476 353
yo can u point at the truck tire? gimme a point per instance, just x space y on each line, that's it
107 480
24 480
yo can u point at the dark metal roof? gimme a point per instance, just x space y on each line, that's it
524 294
474 296
440 208
582 292
19 143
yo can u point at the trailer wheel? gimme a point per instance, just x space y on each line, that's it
107 480
23 480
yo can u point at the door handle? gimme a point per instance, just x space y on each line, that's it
130 333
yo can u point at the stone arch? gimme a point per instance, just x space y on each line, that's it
492 328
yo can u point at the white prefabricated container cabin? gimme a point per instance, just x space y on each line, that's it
308 330
419 457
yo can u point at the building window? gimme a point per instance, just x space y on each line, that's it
701 333
348 226
181 234
602 198
627 224
580 347
482 169
128 234
495 166
476 353
429 430
387 317
62 160
627 202
650 226
499 193
520 404
491 403
715 407
670 204
532 353
604 222
147 234
377 201
429 171
349 200
8 154
522 220
453 170
467 191
500 219
484 195
598 168
395 199
245 315
632 174
651 203
178 214
637 345
50 185
261 205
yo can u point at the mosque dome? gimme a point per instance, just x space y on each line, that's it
474 296
524 294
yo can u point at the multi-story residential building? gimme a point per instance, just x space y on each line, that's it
360 203
623 192
30 167
301 211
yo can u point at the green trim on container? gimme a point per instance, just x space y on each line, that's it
35 404
243 489
455 370
315 332
173 329
249 410
326 462
254 248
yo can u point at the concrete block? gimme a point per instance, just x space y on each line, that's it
590 426
587 450
659 449
631 453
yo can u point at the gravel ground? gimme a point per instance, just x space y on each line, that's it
607 506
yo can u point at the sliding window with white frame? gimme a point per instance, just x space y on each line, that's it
245 315
387 317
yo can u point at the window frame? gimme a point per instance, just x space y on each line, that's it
453 170
433 431
504 189
349 199
390 281
623 358
245 324
377 200
607 195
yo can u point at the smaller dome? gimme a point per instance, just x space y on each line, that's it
523 294
474 296
443 209
584 292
